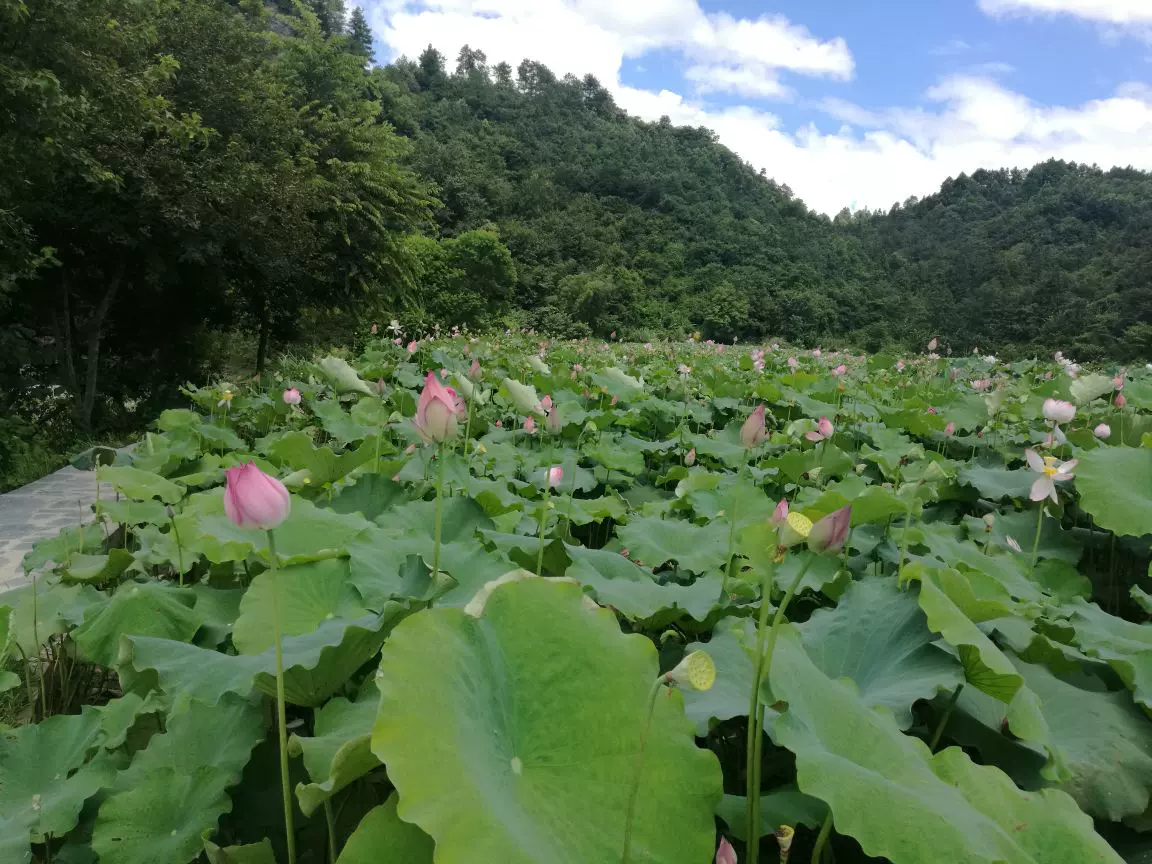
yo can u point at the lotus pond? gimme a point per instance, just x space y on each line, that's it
601 603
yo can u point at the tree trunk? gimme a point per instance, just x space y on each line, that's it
95 332
64 357
262 345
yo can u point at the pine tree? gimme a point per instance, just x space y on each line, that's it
360 34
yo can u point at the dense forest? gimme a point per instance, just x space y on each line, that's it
182 177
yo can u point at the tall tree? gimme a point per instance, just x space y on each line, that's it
360 34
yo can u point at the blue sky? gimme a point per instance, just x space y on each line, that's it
856 103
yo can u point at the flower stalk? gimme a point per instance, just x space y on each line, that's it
281 706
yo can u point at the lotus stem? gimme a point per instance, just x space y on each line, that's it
281 709
439 510
330 823
944 717
540 529
822 838
634 793
1039 529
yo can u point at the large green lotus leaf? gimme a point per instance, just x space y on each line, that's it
723 447
1021 526
176 789
521 396
634 592
119 716
156 609
309 531
343 377
338 423
136 483
610 455
383 836
900 802
656 541
731 649
784 806
75 539
582 511
1088 387
996 483
296 451
369 496
249 853
1115 486
513 737
471 567
1123 645
218 609
316 664
44 778
1010 572
1106 744
878 636
309 594
339 751
97 569
57 608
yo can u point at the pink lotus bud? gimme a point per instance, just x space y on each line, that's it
793 363
690 458
555 475
931 410
780 514
529 425
725 854
373 329
950 429
546 403
474 369
252 499
752 432
1121 400
499 424
829 534
291 396
932 343
436 411
1103 431
824 430
1118 382
1059 411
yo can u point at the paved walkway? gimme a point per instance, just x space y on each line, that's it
40 510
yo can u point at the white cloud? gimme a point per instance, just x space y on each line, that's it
875 158
1110 11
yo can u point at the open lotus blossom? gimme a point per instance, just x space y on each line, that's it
225 399
1059 411
816 352
725 854
1103 431
899 365
690 457
839 370
981 384
555 475
932 343
752 433
1121 400
291 396
436 411
1051 471
394 326
253 499
684 370
822 432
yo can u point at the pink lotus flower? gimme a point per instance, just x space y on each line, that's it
780 513
612 335
899 365
397 341
252 499
932 343
950 429
291 396
436 411
816 352
1121 400
373 329
530 425
725 854
1118 382
576 367
822 432
546 403
758 364
793 363
555 475
830 533
981 384
1059 411
752 432
474 369
932 410
499 424
1058 356
690 457
412 346
1103 431
839 370
1051 471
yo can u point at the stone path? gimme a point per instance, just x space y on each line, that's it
40 510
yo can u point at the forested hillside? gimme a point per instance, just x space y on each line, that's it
174 173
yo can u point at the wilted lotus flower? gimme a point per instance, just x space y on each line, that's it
436 411
1121 400
555 475
1051 471
752 433
291 396
824 430
697 670
829 534
690 458
932 344
1103 431
1059 411
252 499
